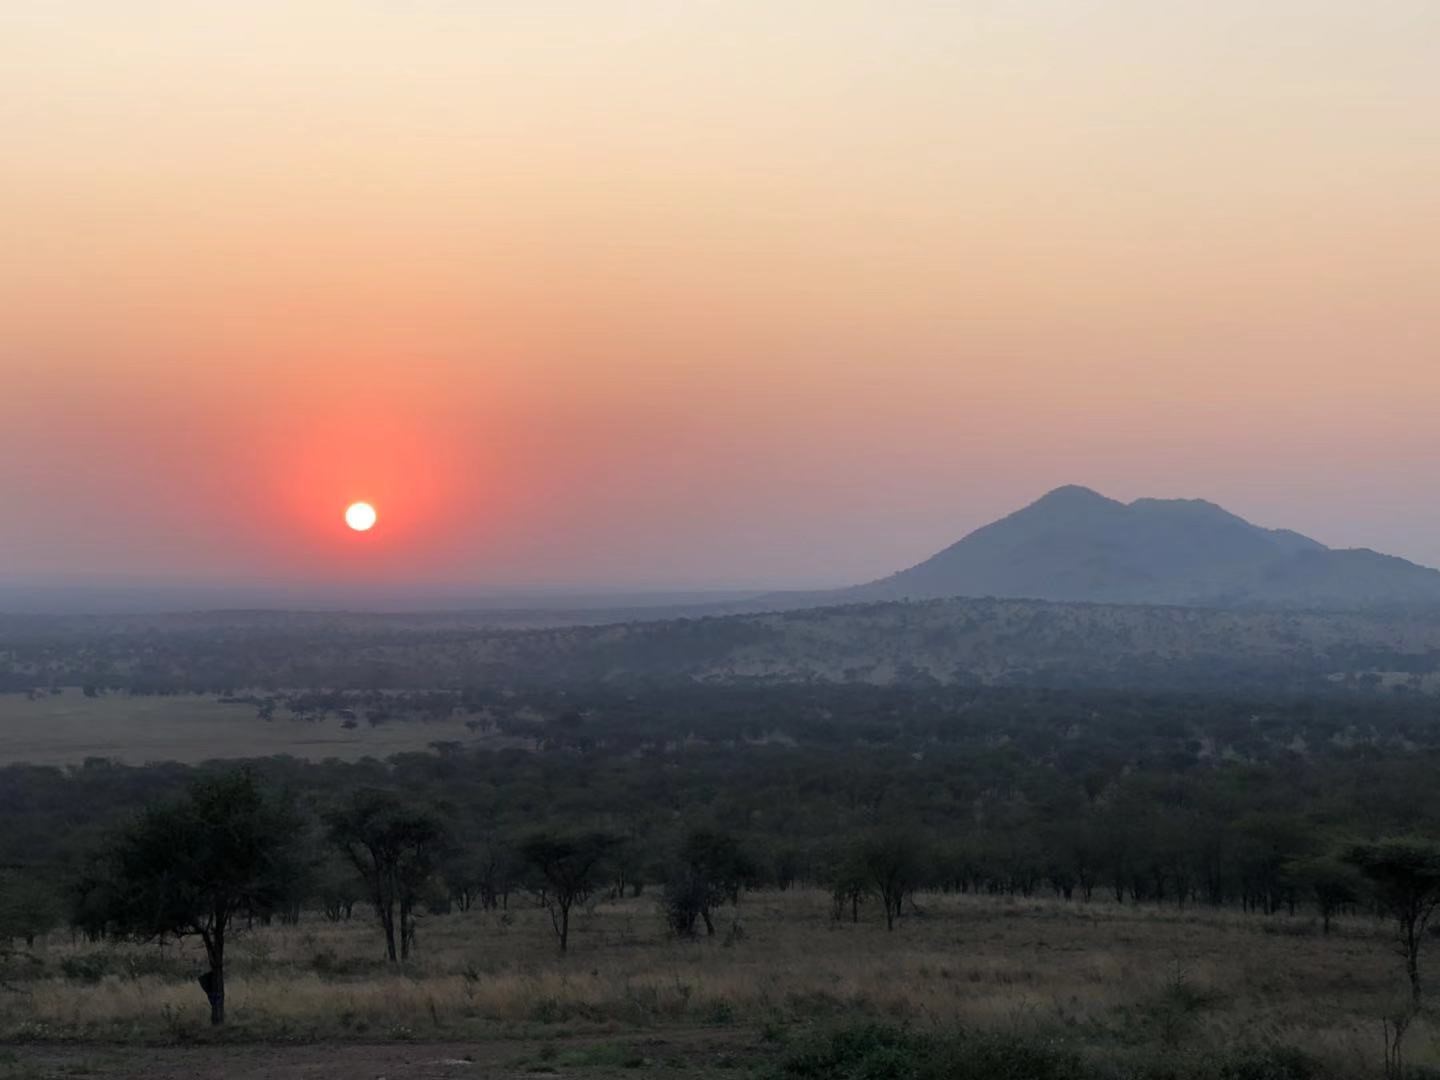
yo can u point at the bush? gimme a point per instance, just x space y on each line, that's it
883 1052
92 967
87 967
329 964
682 904
19 966
1268 1063
603 1056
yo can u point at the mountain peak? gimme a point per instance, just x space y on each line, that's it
1076 544
1069 503
1074 494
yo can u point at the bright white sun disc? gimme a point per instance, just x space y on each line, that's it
360 516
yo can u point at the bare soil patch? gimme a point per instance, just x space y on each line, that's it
675 1053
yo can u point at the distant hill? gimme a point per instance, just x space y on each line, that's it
984 642
979 642
1077 545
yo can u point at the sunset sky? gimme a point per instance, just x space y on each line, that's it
705 293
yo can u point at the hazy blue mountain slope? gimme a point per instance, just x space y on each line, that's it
1075 544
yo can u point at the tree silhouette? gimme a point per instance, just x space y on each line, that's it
395 848
196 866
569 869
1404 873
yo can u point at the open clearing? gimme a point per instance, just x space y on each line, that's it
67 728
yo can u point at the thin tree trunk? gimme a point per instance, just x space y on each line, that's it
213 981
217 995
387 921
1412 965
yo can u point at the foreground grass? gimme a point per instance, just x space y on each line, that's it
1129 984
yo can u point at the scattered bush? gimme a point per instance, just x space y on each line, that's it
87 967
329 964
1268 1063
883 1052
601 1056
92 967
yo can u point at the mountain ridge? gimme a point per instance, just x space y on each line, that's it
1075 544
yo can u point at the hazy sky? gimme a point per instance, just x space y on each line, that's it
703 293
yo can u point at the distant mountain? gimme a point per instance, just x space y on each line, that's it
1077 545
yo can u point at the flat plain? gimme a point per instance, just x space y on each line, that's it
67 728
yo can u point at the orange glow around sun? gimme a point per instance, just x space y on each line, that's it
360 516
378 508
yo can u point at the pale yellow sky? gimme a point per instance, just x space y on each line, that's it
687 292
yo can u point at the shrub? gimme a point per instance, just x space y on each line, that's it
602 1056
883 1052
329 964
1268 1063
87 967
92 967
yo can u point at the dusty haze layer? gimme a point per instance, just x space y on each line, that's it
707 294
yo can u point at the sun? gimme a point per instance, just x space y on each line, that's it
360 516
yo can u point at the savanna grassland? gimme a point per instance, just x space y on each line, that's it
1125 985
67 727
1201 873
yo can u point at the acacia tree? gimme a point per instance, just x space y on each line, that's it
482 872
28 908
849 885
892 862
569 868
1404 874
197 866
396 849
1332 883
337 887
709 869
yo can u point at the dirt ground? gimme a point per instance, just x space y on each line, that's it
688 1054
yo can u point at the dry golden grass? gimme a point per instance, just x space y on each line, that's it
1100 972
